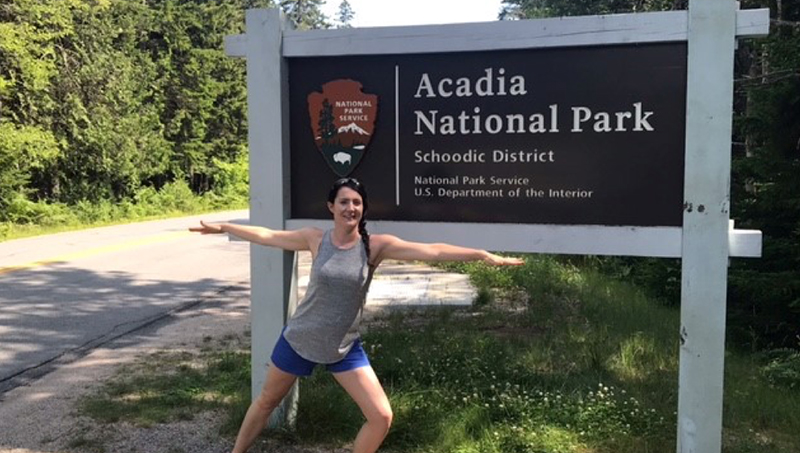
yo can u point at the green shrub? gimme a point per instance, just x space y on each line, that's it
483 297
24 217
764 308
21 210
232 180
782 368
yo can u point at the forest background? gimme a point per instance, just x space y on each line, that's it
112 110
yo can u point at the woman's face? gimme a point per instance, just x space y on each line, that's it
347 208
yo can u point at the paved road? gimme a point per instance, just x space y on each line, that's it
62 295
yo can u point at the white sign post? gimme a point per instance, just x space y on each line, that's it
704 255
272 277
705 240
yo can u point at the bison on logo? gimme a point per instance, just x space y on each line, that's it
342 120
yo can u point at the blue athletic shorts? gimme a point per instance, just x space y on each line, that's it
286 359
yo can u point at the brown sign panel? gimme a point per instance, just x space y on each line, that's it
571 136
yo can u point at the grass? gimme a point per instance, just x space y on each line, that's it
27 218
495 382
171 386
10 231
556 359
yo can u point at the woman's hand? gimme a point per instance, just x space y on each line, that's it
497 260
207 229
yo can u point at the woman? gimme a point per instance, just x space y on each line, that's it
324 328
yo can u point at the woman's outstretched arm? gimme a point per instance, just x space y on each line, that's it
303 239
391 247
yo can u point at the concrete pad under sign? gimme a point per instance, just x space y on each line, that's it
399 284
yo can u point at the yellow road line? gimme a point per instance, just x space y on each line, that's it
96 251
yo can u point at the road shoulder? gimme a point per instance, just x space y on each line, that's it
43 417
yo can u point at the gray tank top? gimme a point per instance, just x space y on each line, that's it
325 324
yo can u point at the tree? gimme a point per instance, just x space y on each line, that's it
529 9
104 114
764 294
346 14
102 98
201 91
327 129
305 14
23 150
30 31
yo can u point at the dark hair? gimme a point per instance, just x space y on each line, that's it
356 185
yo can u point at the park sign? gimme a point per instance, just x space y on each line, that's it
574 136
597 135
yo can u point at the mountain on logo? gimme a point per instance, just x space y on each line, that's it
352 128
351 135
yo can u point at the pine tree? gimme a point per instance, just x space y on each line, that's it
346 14
305 14
327 129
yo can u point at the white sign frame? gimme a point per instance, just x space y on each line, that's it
704 243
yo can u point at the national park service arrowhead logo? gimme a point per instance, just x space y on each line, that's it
343 120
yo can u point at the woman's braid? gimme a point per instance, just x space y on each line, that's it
362 230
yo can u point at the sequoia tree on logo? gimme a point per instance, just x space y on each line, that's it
342 121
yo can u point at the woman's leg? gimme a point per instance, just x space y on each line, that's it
276 386
362 385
